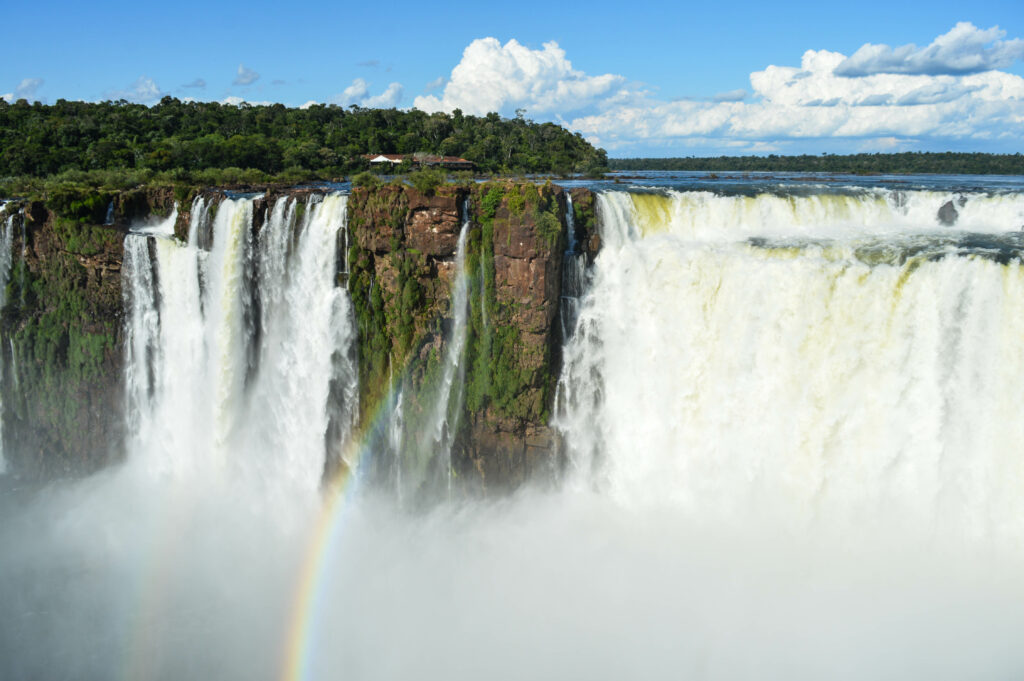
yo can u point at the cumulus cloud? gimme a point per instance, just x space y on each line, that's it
818 100
353 94
26 89
434 84
880 97
387 99
496 77
143 91
359 93
965 49
245 76
234 100
197 83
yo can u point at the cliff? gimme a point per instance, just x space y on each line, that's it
62 378
62 375
402 270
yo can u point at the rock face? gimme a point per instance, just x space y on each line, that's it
63 362
402 276
63 412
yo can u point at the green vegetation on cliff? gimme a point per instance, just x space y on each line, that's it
509 374
62 318
904 163
399 299
40 140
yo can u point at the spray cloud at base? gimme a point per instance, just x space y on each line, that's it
788 451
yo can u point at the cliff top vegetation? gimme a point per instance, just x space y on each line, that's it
184 139
864 164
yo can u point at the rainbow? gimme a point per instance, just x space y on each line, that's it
337 492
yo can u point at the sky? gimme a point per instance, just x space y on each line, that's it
636 78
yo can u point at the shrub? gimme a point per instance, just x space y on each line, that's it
426 181
366 179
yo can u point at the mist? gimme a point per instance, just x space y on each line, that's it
117 578
793 459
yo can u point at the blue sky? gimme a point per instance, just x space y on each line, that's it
638 78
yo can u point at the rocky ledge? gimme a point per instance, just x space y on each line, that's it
63 316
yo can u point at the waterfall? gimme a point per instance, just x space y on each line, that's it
395 442
790 421
483 286
574 266
426 438
24 252
6 257
247 345
819 213
446 414
727 363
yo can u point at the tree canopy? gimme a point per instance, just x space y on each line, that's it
40 140
902 163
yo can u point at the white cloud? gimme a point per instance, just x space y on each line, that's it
813 101
496 77
886 144
963 50
197 83
359 93
881 97
245 76
26 89
143 91
353 94
308 104
434 84
387 99
238 101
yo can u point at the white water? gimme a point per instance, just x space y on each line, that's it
709 217
574 275
443 429
251 411
6 257
730 379
182 563
431 440
786 463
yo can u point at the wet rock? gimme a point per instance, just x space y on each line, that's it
948 214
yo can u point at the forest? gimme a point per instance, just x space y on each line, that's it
859 164
321 141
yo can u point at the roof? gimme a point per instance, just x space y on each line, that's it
418 157
382 158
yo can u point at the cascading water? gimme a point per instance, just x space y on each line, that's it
726 362
750 381
574 268
426 441
6 257
454 369
255 389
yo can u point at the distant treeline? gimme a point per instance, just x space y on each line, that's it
39 140
904 163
